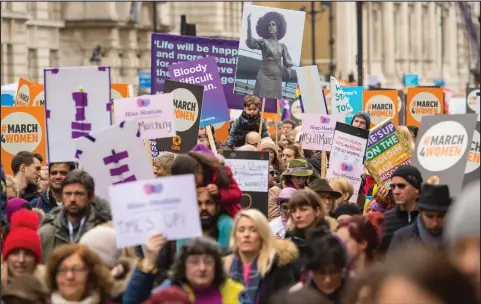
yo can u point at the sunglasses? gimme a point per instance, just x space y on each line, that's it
274 172
400 186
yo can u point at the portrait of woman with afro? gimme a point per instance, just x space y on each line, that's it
276 62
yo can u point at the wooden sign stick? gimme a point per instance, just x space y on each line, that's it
211 139
262 115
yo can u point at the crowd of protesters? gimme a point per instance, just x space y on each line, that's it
408 242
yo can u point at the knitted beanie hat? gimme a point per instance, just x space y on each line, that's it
23 234
463 217
102 241
411 174
13 205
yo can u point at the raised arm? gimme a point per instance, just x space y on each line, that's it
251 42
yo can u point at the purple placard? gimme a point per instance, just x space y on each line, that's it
170 49
204 72
380 133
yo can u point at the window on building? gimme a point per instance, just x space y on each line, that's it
32 64
54 58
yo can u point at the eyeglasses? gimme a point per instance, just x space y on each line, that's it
77 269
400 186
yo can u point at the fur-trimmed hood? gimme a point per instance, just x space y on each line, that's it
286 253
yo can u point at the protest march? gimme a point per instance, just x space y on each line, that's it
221 186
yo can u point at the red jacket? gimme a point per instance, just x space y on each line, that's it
230 197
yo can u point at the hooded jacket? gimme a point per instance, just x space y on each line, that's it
366 117
243 125
54 233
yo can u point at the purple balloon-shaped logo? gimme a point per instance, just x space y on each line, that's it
142 102
324 120
343 166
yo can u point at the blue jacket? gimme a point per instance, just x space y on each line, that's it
45 201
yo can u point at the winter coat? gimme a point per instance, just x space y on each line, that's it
282 273
231 197
410 232
94 298
45 201
243 125
394 220
53 233
39 273
273 207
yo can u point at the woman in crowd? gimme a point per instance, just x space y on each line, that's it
343 186
198 271
76 275
281 140
326 266
11 187
306 214
289 153
279 224
264 265
267 145
22 250
327 195
362 236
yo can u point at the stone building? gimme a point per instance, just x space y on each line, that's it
399 37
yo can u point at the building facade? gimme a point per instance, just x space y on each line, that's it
398 37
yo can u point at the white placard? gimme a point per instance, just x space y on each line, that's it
339 102
311 92
250 175
154 113
166 205
77 103
114 155
478 102
318 131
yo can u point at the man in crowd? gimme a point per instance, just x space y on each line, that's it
433 205
361 120
253 139
406 184
287 127
52 197
26 170
79 213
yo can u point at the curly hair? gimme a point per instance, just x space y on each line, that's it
198 246
99 277
263 24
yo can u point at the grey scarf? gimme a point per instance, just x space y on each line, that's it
425 235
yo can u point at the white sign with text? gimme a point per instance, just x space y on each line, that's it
251 175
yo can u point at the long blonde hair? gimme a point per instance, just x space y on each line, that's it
268 250
404 131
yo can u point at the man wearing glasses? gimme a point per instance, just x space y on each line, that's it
79 213
405 185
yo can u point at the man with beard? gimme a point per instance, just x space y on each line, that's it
26 171
79 214
433 204
52 197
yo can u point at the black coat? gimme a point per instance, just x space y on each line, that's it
394 220
408 233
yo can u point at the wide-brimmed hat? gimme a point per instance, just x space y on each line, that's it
434 198
321 185
298 167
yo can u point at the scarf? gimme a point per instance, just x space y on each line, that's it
425 235
237 273
92 299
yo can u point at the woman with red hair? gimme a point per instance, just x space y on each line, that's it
362 236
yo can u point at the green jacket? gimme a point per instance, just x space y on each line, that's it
53 233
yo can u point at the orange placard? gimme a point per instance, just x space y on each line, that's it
24 92
38 97
381 105
421 102
23 129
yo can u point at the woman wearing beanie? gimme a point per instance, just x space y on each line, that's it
102 241
22 250
15 204
76 275
279 224
267 145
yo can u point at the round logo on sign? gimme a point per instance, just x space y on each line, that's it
20 132
473 156
39 100
186 109
296 110
442 146
424 103
471 100
23 94
380 108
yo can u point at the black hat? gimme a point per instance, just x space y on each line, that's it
346 208
434 198
321 185
411 174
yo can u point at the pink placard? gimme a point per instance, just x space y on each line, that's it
318 131
351 171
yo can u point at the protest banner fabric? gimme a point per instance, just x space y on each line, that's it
24 92
471 95
169 49
264 68
112 161
166 205
204 72
387 149
442 149
251 171
381 105
78 103
347 155
154 113
472 171
423 102
23 129
309 84
187 107
339 102
318 131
